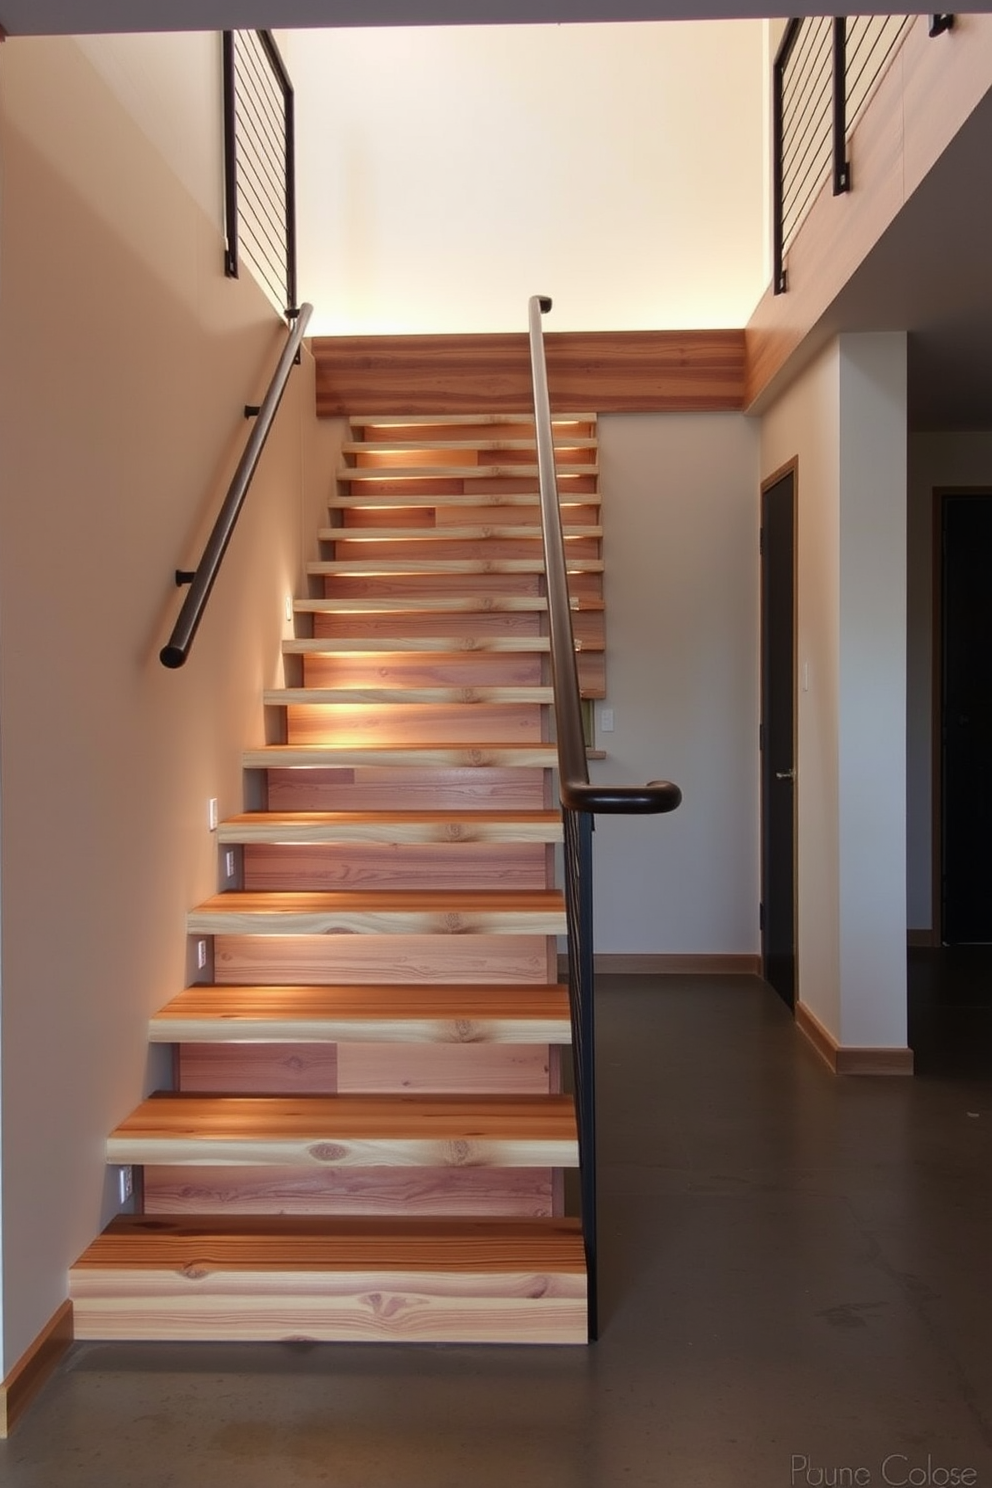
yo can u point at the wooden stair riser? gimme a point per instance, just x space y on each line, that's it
377 486
364 1069
427 755
419 960
414 723
532 1193
470 548
362 513
424 587
462 668
468 865
409 788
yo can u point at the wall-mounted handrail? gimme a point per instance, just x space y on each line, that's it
580 802
573 770
202 579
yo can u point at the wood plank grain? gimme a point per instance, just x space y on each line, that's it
463 1013
498 664
258 1069
492 1069
461 756
392 827
481 1192
415 960
628 372
446 912
382 788
350 1131
374 866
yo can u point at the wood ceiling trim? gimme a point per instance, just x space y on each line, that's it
619 372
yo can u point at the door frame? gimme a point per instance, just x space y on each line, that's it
938 494
791 467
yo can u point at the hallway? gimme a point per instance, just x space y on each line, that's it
794 1283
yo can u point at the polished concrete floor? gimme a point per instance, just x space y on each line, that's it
796 1290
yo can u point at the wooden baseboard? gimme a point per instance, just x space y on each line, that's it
843 1059
650 963
920 938
34 1367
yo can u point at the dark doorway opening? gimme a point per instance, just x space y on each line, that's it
778 732
963 694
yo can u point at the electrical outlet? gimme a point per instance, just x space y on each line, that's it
201 955
229 863
212 813
606 720
125 1182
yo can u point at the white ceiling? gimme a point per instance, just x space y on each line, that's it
70 17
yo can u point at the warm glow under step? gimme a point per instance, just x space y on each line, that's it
373 646
461 756
348 1280
392 826
442 912
331 696
513 1131
457 1014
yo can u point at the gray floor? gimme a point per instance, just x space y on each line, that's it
795 1277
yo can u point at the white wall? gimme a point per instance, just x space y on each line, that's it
953 459
680 518
125 361
845 420
446 174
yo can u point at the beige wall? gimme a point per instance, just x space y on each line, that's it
953 459
125 358
446 174
680 516
845 420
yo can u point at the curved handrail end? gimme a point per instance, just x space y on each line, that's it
653 799
545 302
172 656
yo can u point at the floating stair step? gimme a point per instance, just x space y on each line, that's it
372 447
473 604
280 1278
481 532
285 697
377 1013
468 566
441 472
459 420
334 647
332 756
343 501
383 912
391 827
511 1131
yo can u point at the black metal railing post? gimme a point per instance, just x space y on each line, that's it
230 159
780 281
842 168
578 912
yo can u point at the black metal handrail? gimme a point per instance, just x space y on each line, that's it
201 579
260 164
580 802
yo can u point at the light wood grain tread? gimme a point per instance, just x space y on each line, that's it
441 604
199 1244
350 1131
459 420
414 648
312 697
460 756
456 1014
383 911
369 448
371 565
475 532
392 826
344 501
373 473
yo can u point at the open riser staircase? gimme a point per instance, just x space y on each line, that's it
369 1130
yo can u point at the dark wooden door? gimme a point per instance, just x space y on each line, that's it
965 640
778 763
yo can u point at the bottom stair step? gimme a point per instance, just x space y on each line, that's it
363 1280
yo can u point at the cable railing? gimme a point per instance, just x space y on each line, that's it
825 72
259 165
201 579
580 800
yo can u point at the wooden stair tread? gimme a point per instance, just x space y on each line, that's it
329 756
475 532
467 1013
431 648
458 420
372 566
353 473
305 1242
436 912
474 604
392 826
285 697
343 501
396 1130
563 440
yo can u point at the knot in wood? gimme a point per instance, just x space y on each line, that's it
327 1152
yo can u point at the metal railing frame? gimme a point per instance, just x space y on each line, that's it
580 800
